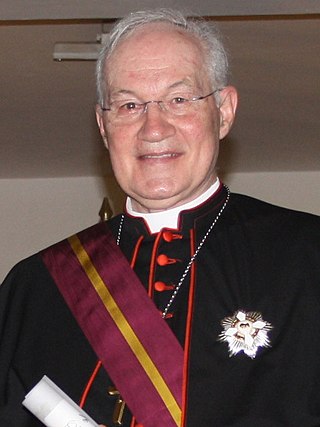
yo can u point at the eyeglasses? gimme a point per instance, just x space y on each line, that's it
127 111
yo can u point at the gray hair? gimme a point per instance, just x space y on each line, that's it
207 33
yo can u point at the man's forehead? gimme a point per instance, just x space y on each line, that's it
164 28
152 40
154 61
154 52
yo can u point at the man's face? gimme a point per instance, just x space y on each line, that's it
161 160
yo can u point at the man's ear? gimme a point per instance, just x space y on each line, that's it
227 109
99 118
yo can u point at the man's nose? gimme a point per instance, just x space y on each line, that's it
155 124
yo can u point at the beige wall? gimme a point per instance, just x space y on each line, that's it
295 190
37 212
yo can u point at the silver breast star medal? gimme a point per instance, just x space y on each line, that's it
245 332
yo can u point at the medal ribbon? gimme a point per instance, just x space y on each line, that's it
126 330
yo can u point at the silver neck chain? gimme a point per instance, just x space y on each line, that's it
194 256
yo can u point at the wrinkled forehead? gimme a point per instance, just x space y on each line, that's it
155 45
158 32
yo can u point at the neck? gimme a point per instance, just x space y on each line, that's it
169 218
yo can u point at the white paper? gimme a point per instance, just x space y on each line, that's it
54 408
66 415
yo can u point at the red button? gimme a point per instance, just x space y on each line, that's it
168 236
168 316
164 260
160 287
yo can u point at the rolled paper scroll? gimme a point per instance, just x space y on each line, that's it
54 408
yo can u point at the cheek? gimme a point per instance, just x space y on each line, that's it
202 137
119 160
202 126
204 146
118 152
118 139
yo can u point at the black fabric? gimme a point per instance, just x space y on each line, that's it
257 258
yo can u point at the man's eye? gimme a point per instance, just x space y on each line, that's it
128 106
179 100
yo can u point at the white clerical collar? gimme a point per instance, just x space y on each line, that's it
169 218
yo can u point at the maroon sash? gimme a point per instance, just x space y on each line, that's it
137 348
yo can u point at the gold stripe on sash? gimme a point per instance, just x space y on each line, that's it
126 330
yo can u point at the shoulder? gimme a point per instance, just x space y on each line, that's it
274 222
33 266
26 279
31 272
249 208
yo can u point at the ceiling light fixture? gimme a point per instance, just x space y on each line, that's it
75 51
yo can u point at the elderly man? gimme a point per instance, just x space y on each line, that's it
195 306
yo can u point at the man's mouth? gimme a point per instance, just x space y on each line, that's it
159 156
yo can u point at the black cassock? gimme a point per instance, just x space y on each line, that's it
260 263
